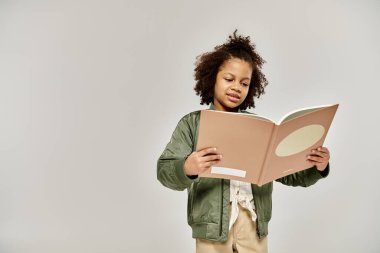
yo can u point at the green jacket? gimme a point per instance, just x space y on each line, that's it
208 198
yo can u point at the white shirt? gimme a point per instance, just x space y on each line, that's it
241 192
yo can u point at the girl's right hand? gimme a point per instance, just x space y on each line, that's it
201 160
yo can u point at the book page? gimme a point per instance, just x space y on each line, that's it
295 139
290 115
302 111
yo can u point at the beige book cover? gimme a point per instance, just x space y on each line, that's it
257 150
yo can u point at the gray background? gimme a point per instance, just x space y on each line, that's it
90 92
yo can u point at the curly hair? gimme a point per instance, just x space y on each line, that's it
207 67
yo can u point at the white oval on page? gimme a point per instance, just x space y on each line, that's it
299 140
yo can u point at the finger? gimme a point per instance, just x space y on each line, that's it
316 159
319 153
209 158
323 149
205 166
315 162
207 151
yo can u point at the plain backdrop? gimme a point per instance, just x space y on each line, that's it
91 91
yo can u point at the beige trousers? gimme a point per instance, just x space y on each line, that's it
242 238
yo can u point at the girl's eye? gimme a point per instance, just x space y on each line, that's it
246 85
228 80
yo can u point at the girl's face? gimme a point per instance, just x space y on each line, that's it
232 84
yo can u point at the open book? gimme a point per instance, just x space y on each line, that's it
257 150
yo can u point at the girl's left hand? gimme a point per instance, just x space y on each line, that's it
319 157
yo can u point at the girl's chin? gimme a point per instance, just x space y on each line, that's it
231 106
233 103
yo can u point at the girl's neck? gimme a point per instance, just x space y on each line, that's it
219 107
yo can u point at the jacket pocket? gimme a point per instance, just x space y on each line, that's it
205 201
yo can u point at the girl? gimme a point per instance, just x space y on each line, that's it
226 215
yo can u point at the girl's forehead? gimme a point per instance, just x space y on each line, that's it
235 65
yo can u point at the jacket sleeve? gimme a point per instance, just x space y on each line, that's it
170 170
306 177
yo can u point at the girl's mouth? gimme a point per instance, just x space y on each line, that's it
233 98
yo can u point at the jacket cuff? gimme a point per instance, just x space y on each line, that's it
325 172
180 173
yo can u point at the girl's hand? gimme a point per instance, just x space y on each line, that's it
199 161
319 157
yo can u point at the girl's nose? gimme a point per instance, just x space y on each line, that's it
235 87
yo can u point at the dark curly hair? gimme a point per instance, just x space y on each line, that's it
207 67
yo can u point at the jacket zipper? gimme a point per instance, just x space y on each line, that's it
221 207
